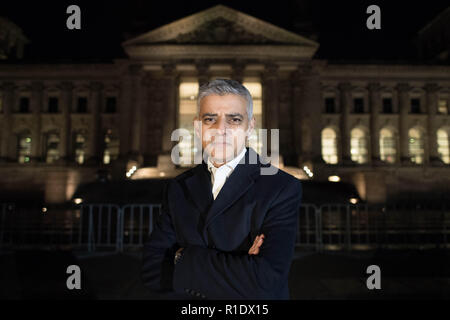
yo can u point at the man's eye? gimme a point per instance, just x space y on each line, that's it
208 119
236 120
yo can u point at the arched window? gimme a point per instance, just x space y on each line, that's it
388 148
416 149
24 147
358 143
52 147
329 146
111 150
443 145
79 147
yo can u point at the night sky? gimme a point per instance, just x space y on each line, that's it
340 25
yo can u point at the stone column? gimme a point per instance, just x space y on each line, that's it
96 137
346 100
66 101
432 106
128 95
202 72
375 109
270 101
170 115
37 97
8 140
297 114
403 102
311 101
238 71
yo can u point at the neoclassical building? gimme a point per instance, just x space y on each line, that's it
384 128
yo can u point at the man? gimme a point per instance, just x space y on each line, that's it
227 231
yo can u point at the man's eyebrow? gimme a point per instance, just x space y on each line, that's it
234 115
209 115
228 115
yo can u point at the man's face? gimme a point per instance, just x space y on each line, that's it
224 126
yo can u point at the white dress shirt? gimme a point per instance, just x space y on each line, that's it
221 174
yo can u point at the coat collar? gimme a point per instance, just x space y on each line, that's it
240 180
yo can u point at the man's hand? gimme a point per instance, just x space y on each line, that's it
256 245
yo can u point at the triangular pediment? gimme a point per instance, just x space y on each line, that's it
220 25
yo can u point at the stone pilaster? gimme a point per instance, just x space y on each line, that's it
95 149
432 106
310 102
170 115
37 96
66 101
7 145
403 102
346 100
202 71
297 114
375 109
270 100
238 71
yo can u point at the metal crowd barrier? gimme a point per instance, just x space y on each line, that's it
91 227
363 226
98 227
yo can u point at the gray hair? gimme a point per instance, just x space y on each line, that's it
222 87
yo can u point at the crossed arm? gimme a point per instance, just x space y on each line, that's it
257 243
256 275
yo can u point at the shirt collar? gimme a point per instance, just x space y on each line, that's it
230 164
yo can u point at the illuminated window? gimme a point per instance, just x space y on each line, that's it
329 146
24 147
358 143
111 149
52 147
255 90
187 112
443 146
443 106
416 146
388 150
80 147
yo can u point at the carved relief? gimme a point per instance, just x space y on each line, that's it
221 31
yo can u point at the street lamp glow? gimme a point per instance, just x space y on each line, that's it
334 178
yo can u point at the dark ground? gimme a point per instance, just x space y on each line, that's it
405 274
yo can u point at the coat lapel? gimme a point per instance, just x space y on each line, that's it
199 187
237 184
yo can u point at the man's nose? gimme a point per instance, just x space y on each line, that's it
221 125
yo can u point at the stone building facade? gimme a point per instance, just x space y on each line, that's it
384 128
